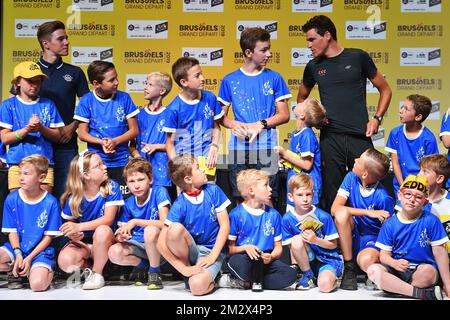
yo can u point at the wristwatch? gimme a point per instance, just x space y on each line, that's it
264 123
378 118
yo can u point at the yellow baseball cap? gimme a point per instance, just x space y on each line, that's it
28 70
419 183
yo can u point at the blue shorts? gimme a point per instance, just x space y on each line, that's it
138 250
318 266
43 259
362 241
198 251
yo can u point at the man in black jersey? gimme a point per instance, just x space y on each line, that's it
341 75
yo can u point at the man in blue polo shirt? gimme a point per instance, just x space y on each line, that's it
65 82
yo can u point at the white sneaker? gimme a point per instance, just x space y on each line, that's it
227 281
93 280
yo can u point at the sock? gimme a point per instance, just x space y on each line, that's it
308 273
422 293
154 269
142 265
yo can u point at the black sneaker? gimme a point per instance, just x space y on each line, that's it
432 293
15 283
154 281
139 276
349 281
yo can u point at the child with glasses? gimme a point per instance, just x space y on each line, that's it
413 253
89 206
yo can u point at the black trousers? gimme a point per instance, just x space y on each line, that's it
338 153
273 276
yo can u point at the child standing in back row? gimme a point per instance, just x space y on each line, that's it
29 123
107 119
151 140
309 113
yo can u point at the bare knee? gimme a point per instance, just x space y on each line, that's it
103 234
199 285
115 253
175 232
151 234
367 259
326 284
297 243
341 216
39 282
374 272
426 275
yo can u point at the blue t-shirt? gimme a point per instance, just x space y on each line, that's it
327 232
445 131
157 198
253 97
94 208
107 118
410 151
199 214
15 115
259 227
305 144
374 198
192 123
151 131
31 220
412 240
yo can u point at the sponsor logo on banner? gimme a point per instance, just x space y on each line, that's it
94 5
295 31
421 6
147 29
379 57
312 5
201 30
36 4
206 56
420 57
363 30
146 56
419 84
239 57
420 30
293 84
300 57
270 26
148 4
135 82
435 110
257 5
379 137
92 29
212 84
27 28
362 5
203 5
83 56
26 55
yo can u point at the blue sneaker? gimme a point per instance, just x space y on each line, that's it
306 282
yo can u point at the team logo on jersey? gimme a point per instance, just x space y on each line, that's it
213 214
322 72
42 219
268 228
160 125
267 89
154 214
207 112
68 77
420 153
423 238
44 115
120 114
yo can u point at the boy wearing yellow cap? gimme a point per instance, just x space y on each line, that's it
28 124
412 244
